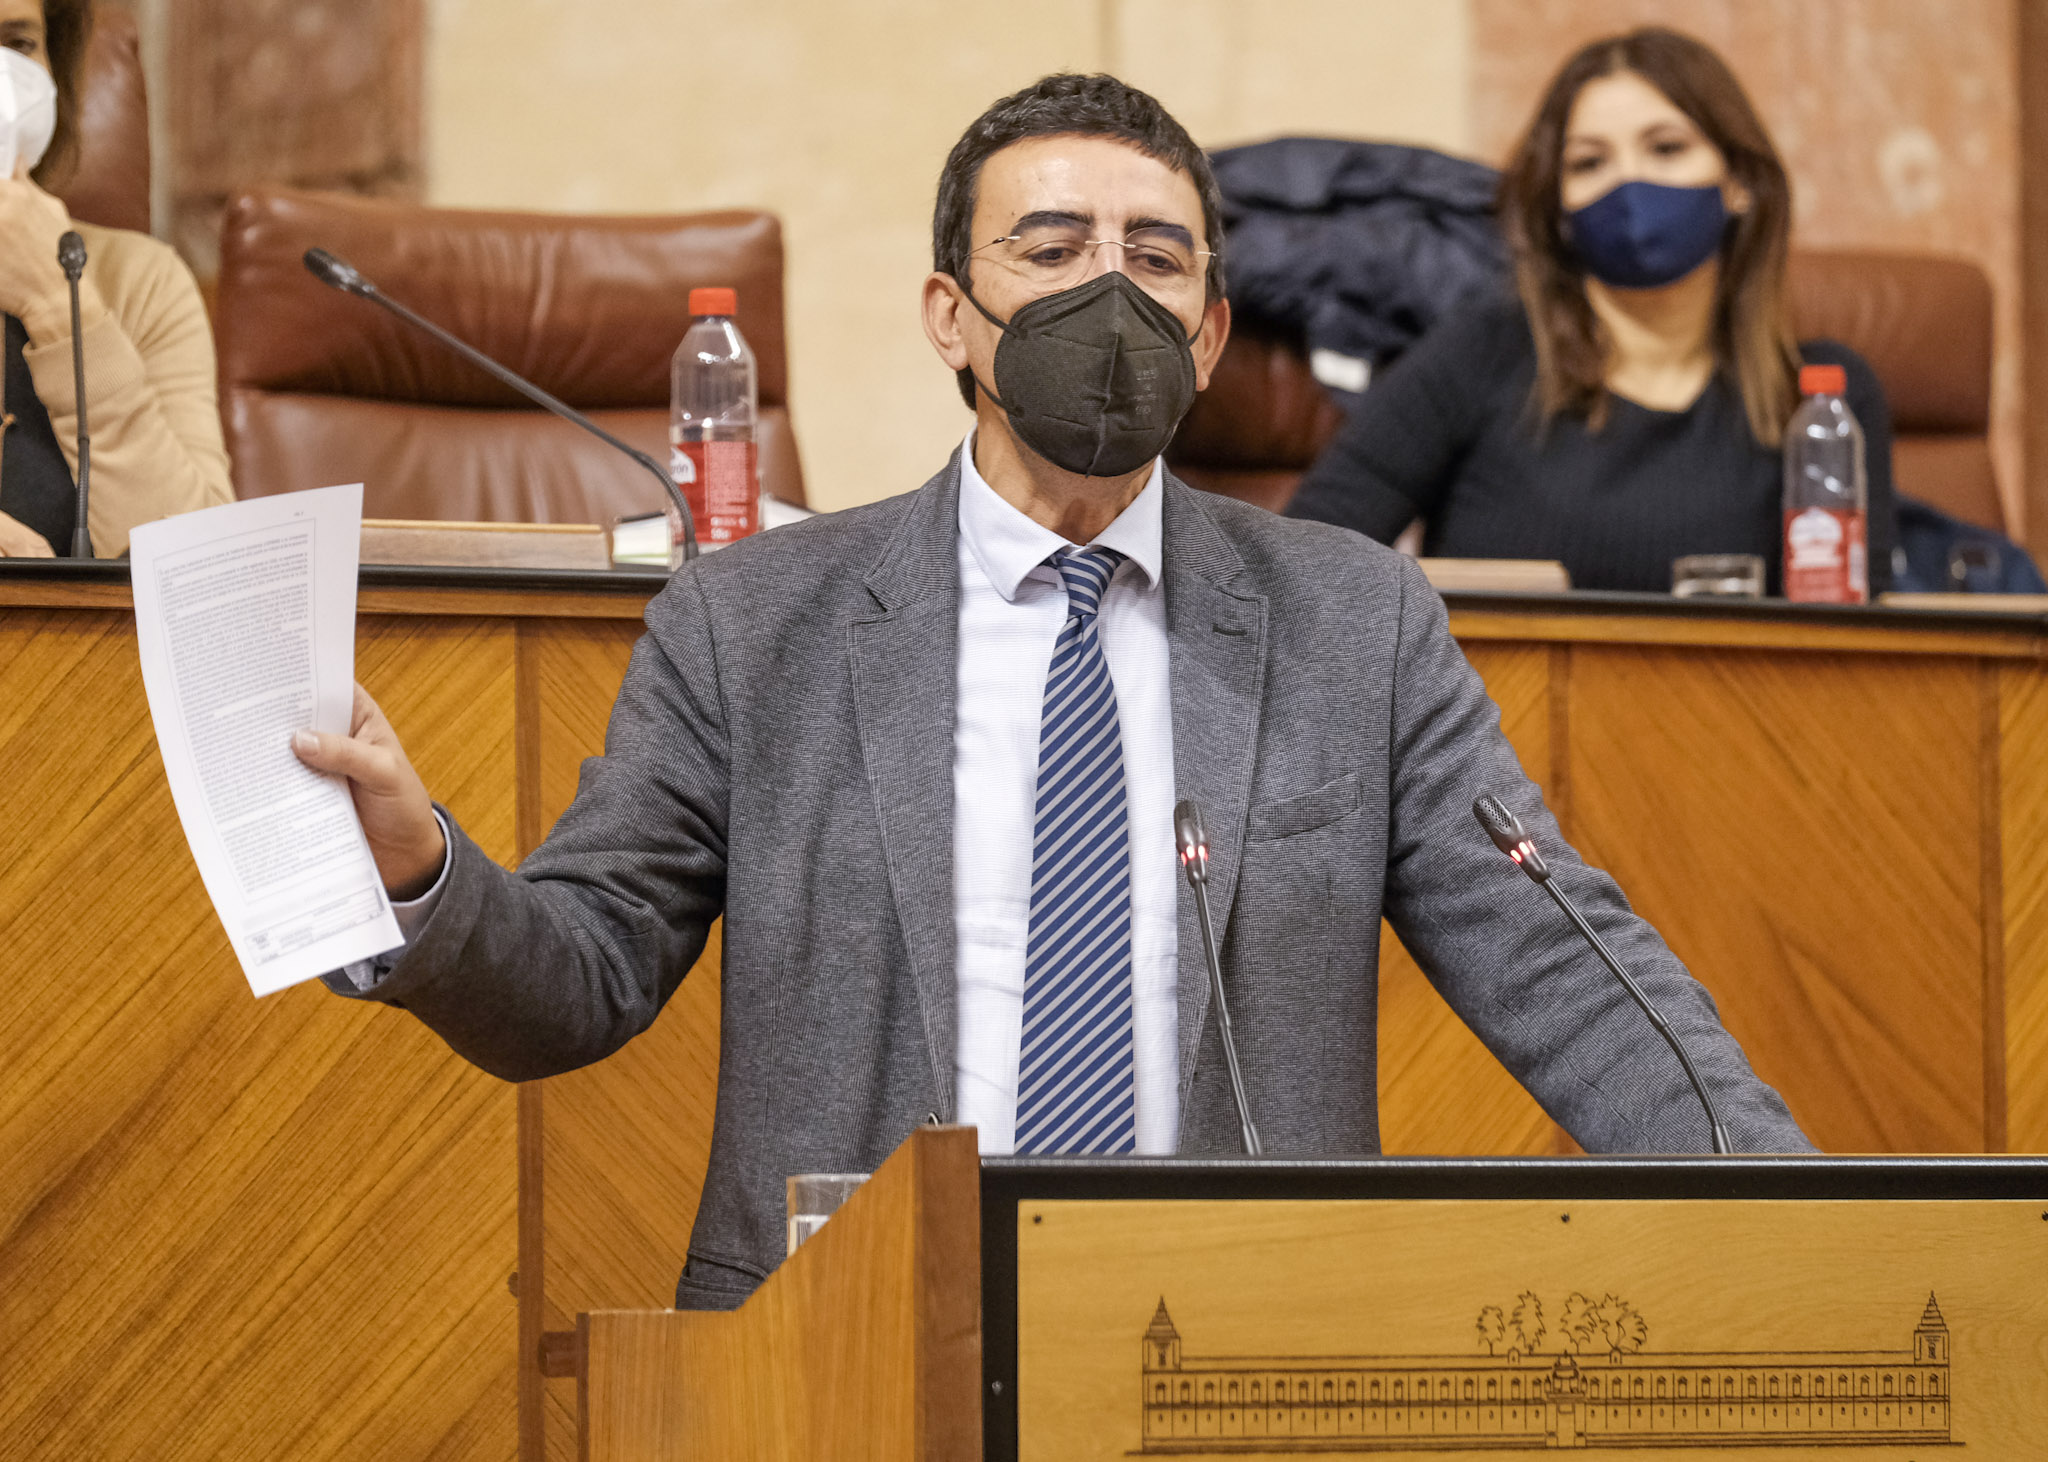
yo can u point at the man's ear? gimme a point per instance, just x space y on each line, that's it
1208 348
943 304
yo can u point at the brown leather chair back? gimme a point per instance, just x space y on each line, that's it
319 387
109 183
1923 323
1259 425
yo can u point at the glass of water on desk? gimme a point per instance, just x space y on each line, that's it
814 1197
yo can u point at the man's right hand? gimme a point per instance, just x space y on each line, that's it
398 816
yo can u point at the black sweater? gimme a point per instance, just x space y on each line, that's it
1448 435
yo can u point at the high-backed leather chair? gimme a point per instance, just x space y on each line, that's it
319 387
1923 323
109 183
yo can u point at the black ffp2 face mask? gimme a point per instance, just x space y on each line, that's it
1095 378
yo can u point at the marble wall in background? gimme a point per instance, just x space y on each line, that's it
292 93
838 117
1899 120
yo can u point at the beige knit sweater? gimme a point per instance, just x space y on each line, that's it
149 387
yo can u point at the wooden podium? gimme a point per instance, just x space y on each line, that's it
1059 1310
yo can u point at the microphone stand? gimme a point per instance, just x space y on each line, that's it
1194 859
329 270
1505 829
71 258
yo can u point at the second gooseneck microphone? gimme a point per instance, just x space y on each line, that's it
1505 829
1193 842
71 259
329 270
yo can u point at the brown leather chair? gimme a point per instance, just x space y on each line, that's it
320 387
109 183
1923 323
1260 424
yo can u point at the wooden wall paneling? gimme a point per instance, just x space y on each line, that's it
295 93
1991 900
623 1144
1804 831
530 1280
229 1227
2023 791
1441 1090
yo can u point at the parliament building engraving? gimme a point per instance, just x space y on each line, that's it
1601 1389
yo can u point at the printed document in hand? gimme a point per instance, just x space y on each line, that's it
246 616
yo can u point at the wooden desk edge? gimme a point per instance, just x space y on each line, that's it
410 601
1939 634
1474 626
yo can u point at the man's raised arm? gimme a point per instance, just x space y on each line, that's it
541 971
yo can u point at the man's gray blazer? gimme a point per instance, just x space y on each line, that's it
781 753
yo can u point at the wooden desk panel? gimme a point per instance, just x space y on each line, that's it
618 1149
288 1226
1441 1091
1805 830
232 1228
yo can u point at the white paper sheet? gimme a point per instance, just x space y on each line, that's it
246 616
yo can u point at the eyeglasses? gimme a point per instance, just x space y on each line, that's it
1051 258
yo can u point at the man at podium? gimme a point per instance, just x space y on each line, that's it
923 755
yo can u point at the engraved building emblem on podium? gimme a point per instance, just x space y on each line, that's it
1598 1386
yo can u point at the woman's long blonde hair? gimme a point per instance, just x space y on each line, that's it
1752 337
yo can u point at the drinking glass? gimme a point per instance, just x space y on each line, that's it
815 1197
1718 576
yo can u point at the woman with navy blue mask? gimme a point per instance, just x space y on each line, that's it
1628 406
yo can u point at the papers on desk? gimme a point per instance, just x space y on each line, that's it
246 618
1495 575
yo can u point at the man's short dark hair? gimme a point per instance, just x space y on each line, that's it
1066 106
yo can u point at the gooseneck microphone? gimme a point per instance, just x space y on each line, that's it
342 276
1506 831
71 259
1193 843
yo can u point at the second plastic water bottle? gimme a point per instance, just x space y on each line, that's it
712 402
1826 495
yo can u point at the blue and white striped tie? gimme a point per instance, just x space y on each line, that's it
1076 1083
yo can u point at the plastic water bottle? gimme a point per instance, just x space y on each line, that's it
713 395
1827 497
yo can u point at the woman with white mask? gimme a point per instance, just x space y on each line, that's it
149 364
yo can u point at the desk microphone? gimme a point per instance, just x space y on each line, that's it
71 258
1194 859
342 276
1506 831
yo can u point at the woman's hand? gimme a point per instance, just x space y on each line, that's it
18 540
32 286
398 816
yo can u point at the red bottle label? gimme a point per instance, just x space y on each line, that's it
1826 561
720 481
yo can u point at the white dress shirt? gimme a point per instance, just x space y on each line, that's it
1012 607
